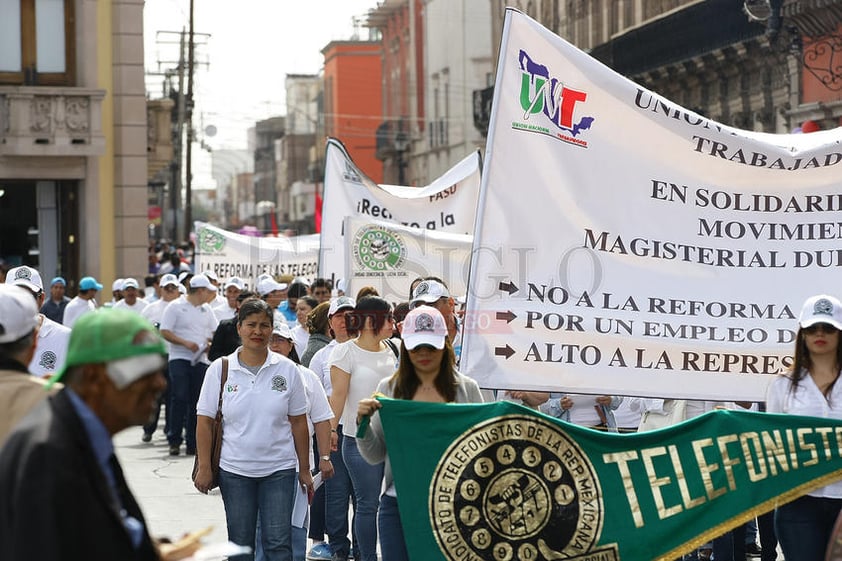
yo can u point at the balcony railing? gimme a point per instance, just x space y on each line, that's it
51 121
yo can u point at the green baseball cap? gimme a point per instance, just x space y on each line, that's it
107 335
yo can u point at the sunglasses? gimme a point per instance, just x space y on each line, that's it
816 327
423 348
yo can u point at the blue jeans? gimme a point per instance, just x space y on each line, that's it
186 383
163 399
804 526
367 480
338 493
299 544
272 496
392 544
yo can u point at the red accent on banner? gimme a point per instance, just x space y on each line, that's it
274 224
318 217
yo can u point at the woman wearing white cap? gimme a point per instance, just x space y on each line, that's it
804 526
427 372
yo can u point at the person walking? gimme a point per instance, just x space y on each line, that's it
804 526
53 307
51 343
63 495
83 302
265 438
427 372
19 391
356 367
188 325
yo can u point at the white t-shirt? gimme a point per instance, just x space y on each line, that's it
223 310
318 407
300 336
75 308
194 323
320 364
807 399
154 312
366 369
51 348
138 306
256 431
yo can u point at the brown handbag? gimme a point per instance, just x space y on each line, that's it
216 434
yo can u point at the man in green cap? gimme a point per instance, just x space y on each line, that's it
62 491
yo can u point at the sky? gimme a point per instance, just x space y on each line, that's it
244 51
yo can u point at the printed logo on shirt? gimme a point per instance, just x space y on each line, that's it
48 360
232 388
279 383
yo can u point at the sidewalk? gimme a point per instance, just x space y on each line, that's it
162 486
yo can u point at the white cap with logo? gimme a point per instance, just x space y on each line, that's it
424 325
428 292
25 276
821 309
201 281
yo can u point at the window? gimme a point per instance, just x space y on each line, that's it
37 42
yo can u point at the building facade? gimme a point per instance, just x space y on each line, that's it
353 100
73 138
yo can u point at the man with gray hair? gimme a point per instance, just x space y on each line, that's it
62 490
19 391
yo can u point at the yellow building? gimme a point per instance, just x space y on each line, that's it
73 138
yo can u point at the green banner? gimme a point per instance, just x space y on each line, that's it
500 481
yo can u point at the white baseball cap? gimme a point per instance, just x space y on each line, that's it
25 276
424 325
268 285
341 303
201 281
129 283
168 279
211 275
117 285
821 309
18 313
282 329
235 282
428 292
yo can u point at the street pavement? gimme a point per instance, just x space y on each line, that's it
162 486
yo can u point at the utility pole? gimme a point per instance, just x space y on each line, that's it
188 192
177 235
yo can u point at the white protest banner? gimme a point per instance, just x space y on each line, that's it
448 204
234 255
390 256
629 246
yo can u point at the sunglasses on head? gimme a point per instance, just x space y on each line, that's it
816 327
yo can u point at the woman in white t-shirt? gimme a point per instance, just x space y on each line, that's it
427 372
804 526
265 437
356 367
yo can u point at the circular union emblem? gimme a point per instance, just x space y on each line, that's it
824 307
515 487
210 241
378 249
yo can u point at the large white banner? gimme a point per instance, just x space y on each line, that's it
234 255
389 257
448 204
626 245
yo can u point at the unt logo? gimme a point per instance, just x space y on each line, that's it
540 93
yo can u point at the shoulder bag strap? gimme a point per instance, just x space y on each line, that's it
222 381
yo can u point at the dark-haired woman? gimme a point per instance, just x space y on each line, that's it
319 328
356 367
426 373
804 525
300 332
264 439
